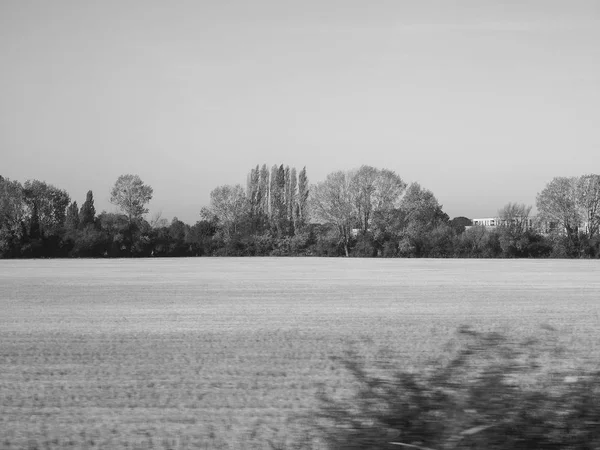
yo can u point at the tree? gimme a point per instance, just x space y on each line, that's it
422 207
131 195
362 183
302 201
375 190
287 202
47 206
274 196
515 216
253 189
557 203
264 190
293 183
12 213
200 236
587 192
72 219
513 229
255 201
87 214
422 214
332 202
117 233
460 223
280 202
229 205
158 221
177 234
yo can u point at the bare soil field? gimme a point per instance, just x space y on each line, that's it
218 353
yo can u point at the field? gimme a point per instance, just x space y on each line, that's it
218 353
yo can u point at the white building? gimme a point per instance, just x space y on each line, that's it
494 222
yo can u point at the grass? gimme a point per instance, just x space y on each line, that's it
219 353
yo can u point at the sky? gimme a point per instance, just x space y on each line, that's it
482 102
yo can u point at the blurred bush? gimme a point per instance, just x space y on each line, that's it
487 393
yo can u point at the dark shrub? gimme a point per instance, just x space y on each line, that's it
491 394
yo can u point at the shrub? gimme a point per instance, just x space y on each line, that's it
365 247
480 398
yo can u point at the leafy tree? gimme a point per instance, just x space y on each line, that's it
258 216
35 229
478 242
460 223
332 202
286 220
422 214
292 200
441 241
177 237
557 203
375 190
280 206
229 205
47 206
131 195
422 207
12 213
200 236
264 190
388 229
72 219
302 202
274 196
87 214
118 233
90 242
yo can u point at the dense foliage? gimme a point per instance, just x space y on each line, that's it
366 212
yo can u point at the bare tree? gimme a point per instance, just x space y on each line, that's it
362 184
229 204
558 203
158 221
332 202
515 216
587 192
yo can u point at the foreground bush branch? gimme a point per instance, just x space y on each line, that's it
492 393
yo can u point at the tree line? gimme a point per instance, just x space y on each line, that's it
365 212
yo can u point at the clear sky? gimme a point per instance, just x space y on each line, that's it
483 102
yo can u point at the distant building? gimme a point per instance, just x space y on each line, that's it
542 226
494 222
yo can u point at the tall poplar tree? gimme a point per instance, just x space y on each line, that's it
280 200
273 195
287 200
253 194
264 189
292 200
87 213
303 190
